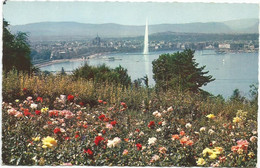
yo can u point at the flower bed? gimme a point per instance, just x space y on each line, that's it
68 132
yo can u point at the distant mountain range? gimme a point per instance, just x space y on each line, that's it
74 30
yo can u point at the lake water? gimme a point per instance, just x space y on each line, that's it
231 71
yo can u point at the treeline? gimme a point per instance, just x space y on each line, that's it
202 37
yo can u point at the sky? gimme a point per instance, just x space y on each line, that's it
126 13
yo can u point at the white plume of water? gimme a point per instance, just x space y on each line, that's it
146 49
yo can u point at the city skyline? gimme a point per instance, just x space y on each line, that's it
125 13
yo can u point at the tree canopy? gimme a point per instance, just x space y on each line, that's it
16 50
179 71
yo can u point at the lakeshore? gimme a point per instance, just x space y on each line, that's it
51 62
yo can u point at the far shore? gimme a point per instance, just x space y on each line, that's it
97 55
68 60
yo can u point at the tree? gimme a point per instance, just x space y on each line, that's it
63 71
122 76
179 71
16 50
236 96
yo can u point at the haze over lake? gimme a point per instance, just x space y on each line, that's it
231 71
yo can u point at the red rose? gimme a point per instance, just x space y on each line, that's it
139 146
113 123
123 104
67 138
159 123
70 97
106 119
104 103
89 151
39 99
102 117
56 131
100 101
81 103
151 124
76 136
137 130
37 112
26 112
98 139
182 133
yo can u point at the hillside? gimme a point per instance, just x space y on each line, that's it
74 30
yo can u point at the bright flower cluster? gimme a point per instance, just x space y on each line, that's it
212 153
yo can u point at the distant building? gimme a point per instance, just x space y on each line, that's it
96 41
178 45
209 47
224 46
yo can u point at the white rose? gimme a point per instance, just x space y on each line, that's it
211 131
141 133
159 130
170 109
188 125
163 123
202 129
152 141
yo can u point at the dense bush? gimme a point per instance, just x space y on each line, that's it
102 74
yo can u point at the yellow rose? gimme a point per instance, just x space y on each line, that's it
200 162
240 151
45 109
36 139
213 156
236 120
251 154
49 142
211 116
218 150
207 151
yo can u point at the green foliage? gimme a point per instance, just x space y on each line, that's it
254 93
236 96
41 55
141 82
16 50
179 71
102 73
